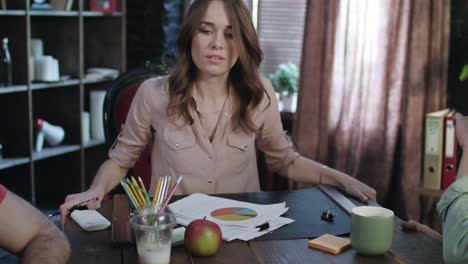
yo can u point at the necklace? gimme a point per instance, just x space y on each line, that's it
207 120
210 119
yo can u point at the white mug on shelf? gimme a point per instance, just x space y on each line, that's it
46 69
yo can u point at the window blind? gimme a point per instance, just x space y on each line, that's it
281 30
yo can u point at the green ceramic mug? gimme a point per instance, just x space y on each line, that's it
371 229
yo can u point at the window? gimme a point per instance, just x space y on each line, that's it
281 31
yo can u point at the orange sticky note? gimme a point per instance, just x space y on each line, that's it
330 243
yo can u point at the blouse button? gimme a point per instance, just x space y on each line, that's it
210 181
176 145
245 146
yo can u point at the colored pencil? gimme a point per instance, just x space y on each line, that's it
156 193
129 194
161 193
145 193
168 198
142 197
135 193
141 183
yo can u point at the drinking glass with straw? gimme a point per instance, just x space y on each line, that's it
153 230
153 236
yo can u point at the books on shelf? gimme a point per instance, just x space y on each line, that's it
440 147
58 5
69 5
61 5
449 164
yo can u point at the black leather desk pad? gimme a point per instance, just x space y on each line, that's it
305 208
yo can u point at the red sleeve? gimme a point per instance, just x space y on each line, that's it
3 192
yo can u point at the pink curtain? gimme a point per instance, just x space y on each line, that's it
371 70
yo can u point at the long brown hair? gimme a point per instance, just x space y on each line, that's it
243 77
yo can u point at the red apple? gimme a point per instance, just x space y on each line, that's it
202 237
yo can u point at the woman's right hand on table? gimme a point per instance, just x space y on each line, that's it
78 198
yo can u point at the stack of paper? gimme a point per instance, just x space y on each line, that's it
99 73
237 220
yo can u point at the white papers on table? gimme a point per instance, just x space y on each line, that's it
198 206
274 224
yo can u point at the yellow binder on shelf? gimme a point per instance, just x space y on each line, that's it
433 149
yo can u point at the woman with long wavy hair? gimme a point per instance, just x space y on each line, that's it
210 115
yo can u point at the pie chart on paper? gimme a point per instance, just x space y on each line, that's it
233 214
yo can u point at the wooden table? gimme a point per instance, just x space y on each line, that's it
407 247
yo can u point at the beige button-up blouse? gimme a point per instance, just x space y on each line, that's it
228 164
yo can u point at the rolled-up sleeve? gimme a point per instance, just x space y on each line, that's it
453 210
136 131
272 139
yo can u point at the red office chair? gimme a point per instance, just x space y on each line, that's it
117 102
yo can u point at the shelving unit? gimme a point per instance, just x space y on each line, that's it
79 39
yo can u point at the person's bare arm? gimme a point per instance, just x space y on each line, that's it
107 178
412 225
27 232
309 171
273 142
